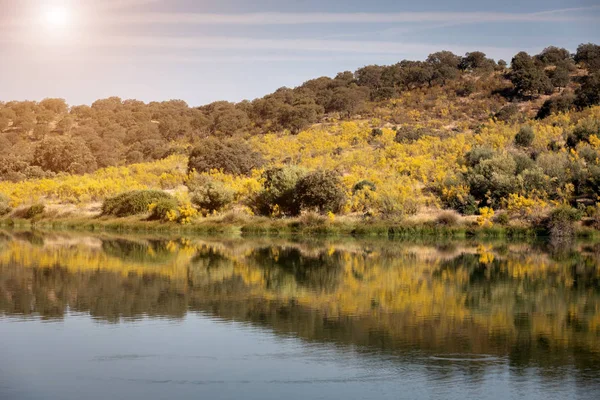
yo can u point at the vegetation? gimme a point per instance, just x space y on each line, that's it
394 143
133 203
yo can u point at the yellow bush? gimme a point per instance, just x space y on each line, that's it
485 217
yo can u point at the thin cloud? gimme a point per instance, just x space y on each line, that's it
254 44
277 18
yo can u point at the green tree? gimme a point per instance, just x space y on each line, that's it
322 191
588 55
64 154
529 79
232 156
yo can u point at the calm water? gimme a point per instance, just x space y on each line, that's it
102 317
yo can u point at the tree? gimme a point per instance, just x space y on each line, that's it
445 66
279 190
528 78
56 106
348 100
476 60
556 104
588 55
64 154
369 76
553 55
232 156
322 191
560 76
588 93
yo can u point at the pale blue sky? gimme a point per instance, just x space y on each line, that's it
202 51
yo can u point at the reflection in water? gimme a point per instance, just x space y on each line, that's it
472 305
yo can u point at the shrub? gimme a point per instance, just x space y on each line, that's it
447 218
408 134
583 131
164 210
525 136
231 156
4 205
320 190
279 190
479 154
132 203
34 211
376 132
508 112
212 196
364 184
554 105
561 222
502 219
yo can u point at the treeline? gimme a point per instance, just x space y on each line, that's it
39 139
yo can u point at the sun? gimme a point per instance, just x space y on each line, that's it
57 17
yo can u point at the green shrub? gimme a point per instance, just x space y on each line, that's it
554 105
561 222
376 132
4 205
132 203
364 184
478 154
508 112
525 136
212 196
34 211
408 134
162 208
583 131
279 189
233 156
502 218
322 191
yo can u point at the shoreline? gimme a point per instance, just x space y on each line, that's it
265 227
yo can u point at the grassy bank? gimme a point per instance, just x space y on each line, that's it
259 226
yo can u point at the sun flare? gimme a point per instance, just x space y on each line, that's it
57 17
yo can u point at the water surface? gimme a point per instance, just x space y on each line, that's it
100 317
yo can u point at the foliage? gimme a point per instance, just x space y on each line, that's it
321 191
62 154
34 211
230 156
561 221
525 136
279 195
485 217
5 207
164 210
528 78
133 203
163 174
212 195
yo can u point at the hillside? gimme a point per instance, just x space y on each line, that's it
387 142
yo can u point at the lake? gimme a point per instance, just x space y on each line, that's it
134 317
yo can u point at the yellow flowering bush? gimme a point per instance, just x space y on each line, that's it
485 217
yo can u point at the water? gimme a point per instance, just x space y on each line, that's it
100 317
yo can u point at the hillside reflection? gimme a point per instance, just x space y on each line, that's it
528 303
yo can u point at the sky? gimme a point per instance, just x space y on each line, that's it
202 51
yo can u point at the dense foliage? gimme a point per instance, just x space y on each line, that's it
464 133
38 139
133 203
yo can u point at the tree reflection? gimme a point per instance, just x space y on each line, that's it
509 299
